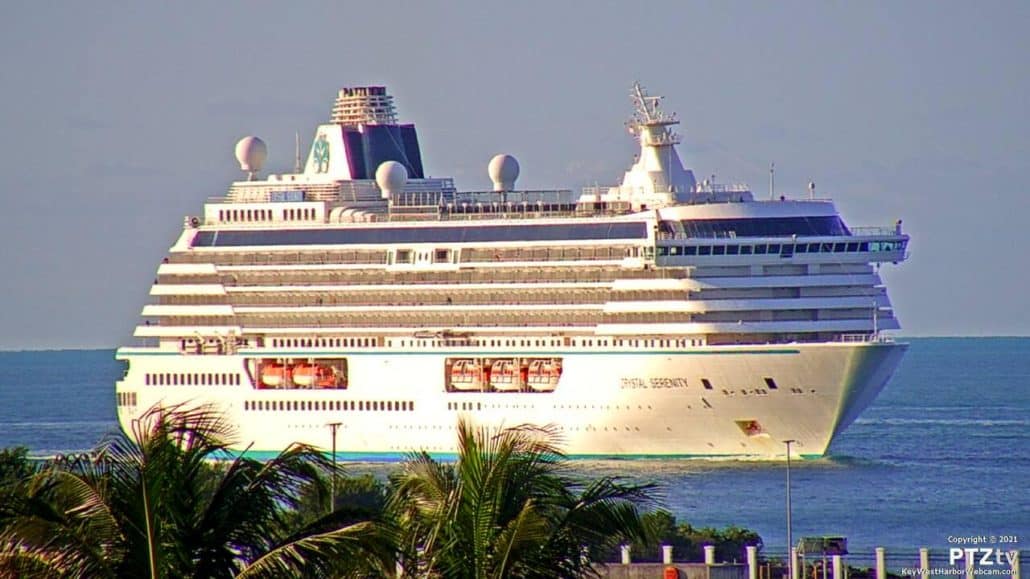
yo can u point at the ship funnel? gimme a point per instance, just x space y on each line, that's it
504 170
391 177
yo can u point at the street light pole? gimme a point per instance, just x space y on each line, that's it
790 538
333 427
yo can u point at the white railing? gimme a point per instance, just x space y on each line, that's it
864 338
873 231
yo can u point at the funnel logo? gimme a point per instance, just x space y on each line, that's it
320 155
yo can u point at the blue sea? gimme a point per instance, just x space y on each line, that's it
943 454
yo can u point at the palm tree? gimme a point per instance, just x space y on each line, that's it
155 505
508 508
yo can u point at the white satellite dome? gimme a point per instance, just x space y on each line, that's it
504 170
251 152
391 177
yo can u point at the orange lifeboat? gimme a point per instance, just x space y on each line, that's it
304 374
503 376
544 374
465 375
274 375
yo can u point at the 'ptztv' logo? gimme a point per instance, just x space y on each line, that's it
988 556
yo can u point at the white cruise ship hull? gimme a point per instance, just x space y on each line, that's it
610 402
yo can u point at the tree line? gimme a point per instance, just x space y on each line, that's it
171 499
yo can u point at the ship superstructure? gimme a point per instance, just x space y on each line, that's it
659 317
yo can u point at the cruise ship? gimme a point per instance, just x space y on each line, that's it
360 305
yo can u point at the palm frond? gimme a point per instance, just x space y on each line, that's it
357 548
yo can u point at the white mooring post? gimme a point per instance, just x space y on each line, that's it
667 554
838 567
794 563
924 563
881 563
709 554
625 555
752 562
1015 563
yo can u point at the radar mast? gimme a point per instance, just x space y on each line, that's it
650 123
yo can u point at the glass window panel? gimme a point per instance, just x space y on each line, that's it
444 234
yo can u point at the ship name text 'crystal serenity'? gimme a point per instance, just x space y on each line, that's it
359 302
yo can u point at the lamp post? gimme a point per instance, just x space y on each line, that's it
790 539
333 427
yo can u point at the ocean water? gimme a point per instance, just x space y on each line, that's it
943 453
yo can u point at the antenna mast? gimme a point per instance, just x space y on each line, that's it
296 158
649 122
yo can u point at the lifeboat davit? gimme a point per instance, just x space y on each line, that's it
274 375
466 375
503 376
326 378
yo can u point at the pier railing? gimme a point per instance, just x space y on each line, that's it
958 561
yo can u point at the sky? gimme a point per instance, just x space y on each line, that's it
119 119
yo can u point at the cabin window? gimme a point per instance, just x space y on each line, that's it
706 383
771 383
704 250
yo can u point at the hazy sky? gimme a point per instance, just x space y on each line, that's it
119 119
